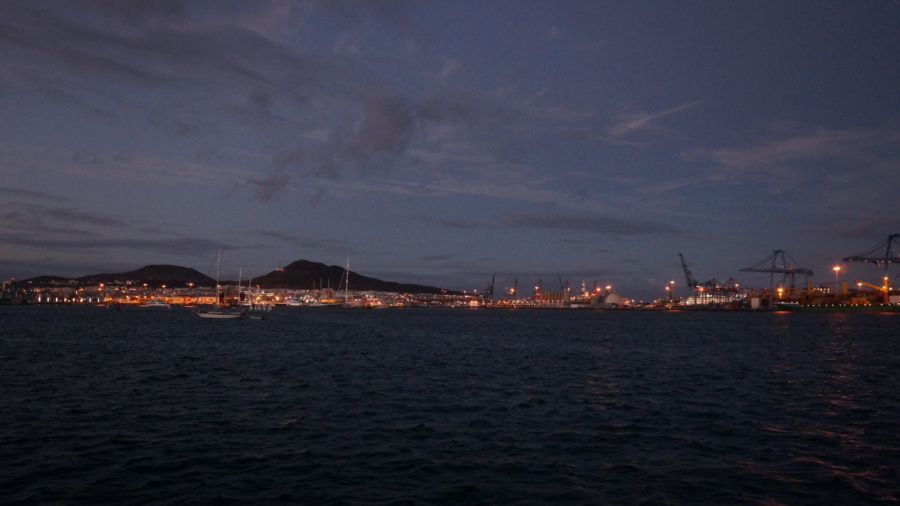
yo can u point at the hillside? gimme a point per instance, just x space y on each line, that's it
153 275
307 275
302 274
42 281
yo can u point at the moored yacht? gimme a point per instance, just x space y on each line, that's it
218 311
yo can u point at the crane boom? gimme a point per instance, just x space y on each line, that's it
879 288
886 288
687 274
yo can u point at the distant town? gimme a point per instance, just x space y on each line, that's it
313 284
301 283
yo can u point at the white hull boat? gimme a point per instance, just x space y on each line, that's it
220 312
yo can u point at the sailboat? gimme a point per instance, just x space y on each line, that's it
346 283
220 312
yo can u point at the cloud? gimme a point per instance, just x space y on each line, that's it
191 76
387 125
269 186
456 223
30 195
139 10
837 162
451 67
780 152
180 246
43 220
207 168
70 230
590 224
641 121
348 11
286 113
621 132
305 242
862 228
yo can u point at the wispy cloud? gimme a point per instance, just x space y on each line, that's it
269 186
437 258
620 132
306 242
29 195
820 158
180 246
640 121
67 229
457 223
591 224
206 168
30 219
773 154
231 76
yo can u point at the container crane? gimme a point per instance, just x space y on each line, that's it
687 274
776 263
881 253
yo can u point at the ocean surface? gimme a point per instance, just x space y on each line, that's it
422 406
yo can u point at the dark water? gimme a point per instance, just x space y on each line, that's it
149 406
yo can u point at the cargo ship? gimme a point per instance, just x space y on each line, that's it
838 308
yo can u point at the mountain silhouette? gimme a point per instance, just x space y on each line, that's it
154 275
307 275
301 275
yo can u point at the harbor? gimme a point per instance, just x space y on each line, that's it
789 289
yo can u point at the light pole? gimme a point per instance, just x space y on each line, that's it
837 269
671 290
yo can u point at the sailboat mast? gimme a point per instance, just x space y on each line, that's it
218 266
347 282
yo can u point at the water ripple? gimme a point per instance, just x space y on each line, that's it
448 407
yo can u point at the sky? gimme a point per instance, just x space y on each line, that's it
444 143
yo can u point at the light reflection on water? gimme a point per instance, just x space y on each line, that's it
442 406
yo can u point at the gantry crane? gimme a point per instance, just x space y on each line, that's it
875 256
776 263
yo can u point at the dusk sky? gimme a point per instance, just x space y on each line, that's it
443 142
